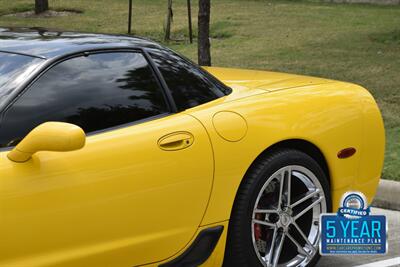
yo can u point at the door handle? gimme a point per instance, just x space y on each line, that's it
176 141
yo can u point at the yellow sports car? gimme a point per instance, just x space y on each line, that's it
116 151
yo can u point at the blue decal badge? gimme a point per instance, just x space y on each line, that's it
352 230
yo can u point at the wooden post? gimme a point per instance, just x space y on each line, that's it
190 21
168 23
130 17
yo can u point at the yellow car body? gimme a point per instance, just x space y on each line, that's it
123 201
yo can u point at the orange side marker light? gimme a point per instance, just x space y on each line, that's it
346 153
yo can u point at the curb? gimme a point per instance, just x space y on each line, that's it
387 195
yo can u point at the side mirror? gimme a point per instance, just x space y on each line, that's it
49 136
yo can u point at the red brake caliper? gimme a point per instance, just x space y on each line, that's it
257 228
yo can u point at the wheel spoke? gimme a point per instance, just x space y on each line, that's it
285 186
289 182
307 196
308 208
264 223
271 250
281 183
299 247
277 252
304 237
265 211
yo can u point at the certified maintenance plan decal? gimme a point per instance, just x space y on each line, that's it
352 230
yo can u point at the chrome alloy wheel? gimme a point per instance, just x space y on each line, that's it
285 219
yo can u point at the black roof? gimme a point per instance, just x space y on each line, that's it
46 43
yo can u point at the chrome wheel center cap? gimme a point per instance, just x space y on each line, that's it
285 219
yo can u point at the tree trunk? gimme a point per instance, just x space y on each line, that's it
170 15
41 6
204 54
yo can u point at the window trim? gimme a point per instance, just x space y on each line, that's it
162 81
21 54
171 107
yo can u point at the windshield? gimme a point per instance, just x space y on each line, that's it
14 69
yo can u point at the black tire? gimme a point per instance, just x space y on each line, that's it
239 249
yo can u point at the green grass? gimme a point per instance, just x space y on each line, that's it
355 43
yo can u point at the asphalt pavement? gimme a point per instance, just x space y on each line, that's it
392 258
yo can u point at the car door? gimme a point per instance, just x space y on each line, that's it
134 194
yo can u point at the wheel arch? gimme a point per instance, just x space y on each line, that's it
299 144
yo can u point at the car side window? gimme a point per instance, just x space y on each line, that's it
95 92
187 83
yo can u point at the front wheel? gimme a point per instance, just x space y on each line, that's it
275 218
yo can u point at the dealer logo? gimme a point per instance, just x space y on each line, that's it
353 205
352 230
